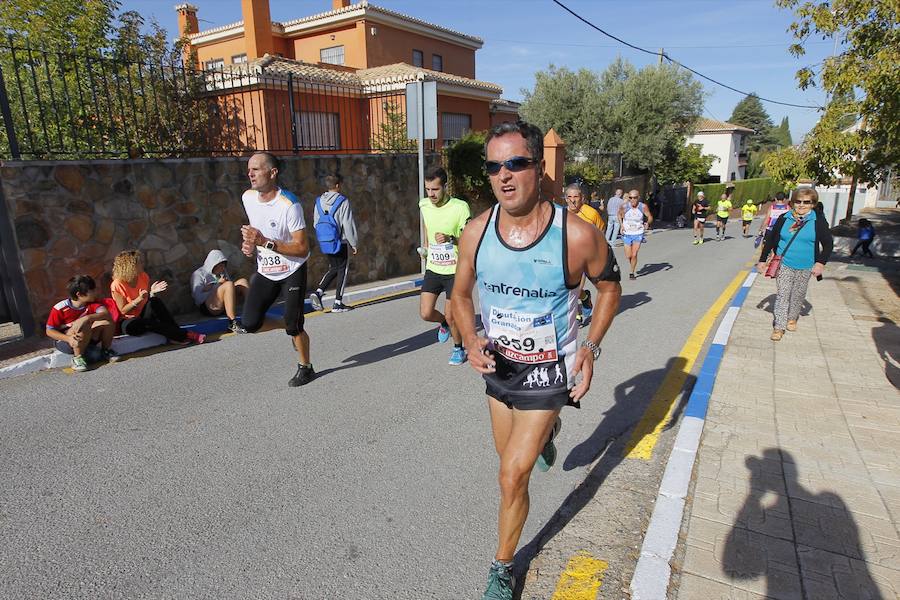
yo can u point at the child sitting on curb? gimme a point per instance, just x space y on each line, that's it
79 321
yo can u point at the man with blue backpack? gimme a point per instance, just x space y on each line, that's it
336 233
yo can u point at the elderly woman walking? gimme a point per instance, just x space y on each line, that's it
802 244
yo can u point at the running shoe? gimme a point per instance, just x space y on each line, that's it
701 241
458 356
236 327
341 307
501 582
548 455
586 312
304 375
580 319
197 338
696 241
443 334
316 300
110 355
79 364
632 276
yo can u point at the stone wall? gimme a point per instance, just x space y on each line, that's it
74 217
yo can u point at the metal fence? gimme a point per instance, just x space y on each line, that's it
68 105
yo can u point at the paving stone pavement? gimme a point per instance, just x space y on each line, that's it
796 489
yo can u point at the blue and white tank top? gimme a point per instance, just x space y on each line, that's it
527 307
633 219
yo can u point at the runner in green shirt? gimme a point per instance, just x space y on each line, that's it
444 219
748 211
723 208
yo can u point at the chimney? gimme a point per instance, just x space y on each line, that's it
187 24
187 19
257 28
339 4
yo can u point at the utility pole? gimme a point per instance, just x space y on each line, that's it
854 176
661 55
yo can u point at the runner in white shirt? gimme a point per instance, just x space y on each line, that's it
277 233
631 215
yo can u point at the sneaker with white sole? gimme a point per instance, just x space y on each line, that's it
501 582
79 365
458 356
316 300
443 334
340 307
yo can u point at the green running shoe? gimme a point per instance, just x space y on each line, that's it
547 456
79 364
501 582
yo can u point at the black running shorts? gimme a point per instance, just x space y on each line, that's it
435 283
264 292
529 387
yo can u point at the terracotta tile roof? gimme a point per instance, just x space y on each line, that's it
402 72
707 125
365 6
504 105
368 7
275 66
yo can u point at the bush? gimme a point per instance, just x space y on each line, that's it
588 173
467 179
757 189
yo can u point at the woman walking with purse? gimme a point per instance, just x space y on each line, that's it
802 244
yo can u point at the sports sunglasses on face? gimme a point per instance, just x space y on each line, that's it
514 164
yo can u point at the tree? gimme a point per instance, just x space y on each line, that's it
782 134
787 165
869 36
749 112
568 102
391 134
689 164
92 82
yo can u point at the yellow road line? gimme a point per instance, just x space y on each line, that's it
646 433
582 578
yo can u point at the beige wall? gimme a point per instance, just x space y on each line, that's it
307 48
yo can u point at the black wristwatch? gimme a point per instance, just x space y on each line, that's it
270 245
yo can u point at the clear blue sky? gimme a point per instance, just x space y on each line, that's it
742 43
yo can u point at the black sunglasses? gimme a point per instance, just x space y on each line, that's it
514 164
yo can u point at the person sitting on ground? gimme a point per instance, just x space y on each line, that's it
80 321
139 304
865 235
214 291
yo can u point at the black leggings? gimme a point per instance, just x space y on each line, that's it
264 292
865 248
155 317
337 267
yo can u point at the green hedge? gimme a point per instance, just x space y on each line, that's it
757 189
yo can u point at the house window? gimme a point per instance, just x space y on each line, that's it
319 130
215 64
238 59
418 58
454 125
332 56
437 62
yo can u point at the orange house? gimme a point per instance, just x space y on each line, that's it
334 81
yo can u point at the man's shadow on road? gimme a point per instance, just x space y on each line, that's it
815 522
391 350
610 442
649 268
628 301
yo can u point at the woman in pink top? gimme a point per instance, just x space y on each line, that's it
138 302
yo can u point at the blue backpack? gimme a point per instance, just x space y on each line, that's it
328 232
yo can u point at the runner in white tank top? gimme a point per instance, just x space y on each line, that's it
632 216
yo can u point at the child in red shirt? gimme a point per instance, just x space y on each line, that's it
81 320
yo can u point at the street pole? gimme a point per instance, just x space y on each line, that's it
853 178
420 139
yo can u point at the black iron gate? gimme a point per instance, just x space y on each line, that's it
14 305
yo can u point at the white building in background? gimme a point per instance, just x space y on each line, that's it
728 143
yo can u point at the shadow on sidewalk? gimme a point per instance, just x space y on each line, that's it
819 531
608 445
887 342
768 304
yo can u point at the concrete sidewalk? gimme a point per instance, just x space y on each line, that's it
796 490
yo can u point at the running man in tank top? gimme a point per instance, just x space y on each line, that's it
776 209
632 216
528 257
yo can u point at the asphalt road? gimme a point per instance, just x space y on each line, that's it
197 473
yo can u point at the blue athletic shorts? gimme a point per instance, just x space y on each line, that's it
632 239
